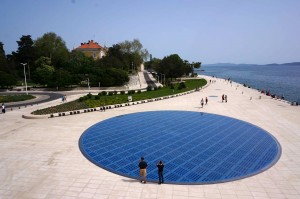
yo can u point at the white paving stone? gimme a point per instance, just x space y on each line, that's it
41 158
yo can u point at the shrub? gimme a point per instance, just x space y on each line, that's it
110 93
89 96
97 97
139 92
131 92
15 98
104 93
149 88
115 92
172 86
122 92
159 87
155 88
181 85
81 99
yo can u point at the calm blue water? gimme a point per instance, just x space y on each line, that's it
279 79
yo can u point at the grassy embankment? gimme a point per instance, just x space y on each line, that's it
92 101
15 98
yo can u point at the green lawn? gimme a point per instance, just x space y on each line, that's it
92 101
14 98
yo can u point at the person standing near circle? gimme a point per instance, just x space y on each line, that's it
202 102
206 100
143 170
160 166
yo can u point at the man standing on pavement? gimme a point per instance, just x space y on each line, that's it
160 167
143 170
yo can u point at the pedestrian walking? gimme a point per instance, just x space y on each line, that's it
143 170
226 98
202 102
206 100
160 166
223 97
3 108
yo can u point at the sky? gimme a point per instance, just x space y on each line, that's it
209 31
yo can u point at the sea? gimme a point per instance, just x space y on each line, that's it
280 80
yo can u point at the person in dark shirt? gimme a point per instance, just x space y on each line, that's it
143 170
160 167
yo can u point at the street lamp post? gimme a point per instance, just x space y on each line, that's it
24 64
88 81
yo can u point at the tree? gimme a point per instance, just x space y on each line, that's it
79 63
136 55
53 46
7 80
25 52
44 71
3 60
172 66
110 62
153 64
190 66
115 51
62 78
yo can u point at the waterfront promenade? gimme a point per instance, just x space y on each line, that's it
40 158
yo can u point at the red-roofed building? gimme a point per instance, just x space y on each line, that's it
92 49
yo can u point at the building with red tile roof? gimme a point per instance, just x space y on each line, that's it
92 49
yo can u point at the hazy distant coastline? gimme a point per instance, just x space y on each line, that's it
279 79
232 64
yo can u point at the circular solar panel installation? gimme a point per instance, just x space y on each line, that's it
196 147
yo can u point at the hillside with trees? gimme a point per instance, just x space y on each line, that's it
48 63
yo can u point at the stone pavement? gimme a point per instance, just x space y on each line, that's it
41 158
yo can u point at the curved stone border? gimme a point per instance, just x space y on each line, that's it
34 116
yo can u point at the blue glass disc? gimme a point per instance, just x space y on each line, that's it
196 147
